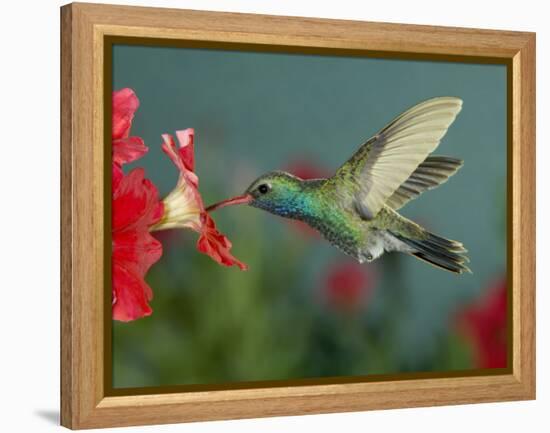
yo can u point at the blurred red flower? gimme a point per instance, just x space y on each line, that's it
484 324
304 168
348 285
184 207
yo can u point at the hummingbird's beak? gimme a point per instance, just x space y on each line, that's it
240 199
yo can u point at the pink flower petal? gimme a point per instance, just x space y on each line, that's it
128 149
211 241
177 156
125 104
118 175
136 247
216 245
186 139
131 295
135 201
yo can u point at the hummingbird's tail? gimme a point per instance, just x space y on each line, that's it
438 251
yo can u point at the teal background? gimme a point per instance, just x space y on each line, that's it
254 112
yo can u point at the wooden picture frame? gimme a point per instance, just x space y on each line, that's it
86 29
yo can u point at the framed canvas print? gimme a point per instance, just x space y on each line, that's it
268 216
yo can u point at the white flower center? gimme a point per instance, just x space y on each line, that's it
181 209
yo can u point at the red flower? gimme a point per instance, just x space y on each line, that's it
135 208
125 148
348 285
137 211
184 207
484 323
305 169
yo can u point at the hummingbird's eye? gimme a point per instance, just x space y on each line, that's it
263 188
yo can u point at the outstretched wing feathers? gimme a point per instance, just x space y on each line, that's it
443 106
387 160
432 172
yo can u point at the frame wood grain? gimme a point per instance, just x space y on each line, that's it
84 27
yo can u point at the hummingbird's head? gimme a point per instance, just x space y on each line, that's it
277 192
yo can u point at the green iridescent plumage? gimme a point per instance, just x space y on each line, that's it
356 209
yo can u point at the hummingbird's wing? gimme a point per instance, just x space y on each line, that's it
432 172
381 165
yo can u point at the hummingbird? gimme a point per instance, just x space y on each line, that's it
356 209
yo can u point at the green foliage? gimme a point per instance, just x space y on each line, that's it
217 325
